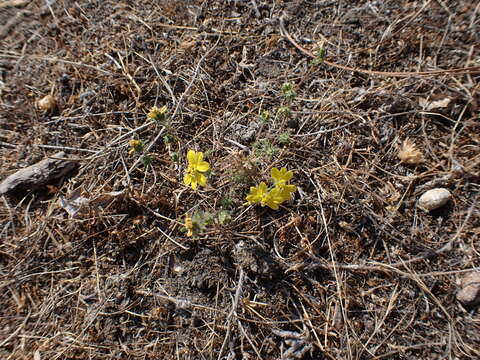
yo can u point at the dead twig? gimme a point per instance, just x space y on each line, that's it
377 266
466 70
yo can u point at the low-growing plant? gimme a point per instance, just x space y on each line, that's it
223 217
288 91
239 177
169 139
275 195
319 55
283 138
265 116
264 148
158 114
136 146
197 222
226 202
284 112
146 160
200 220
175 156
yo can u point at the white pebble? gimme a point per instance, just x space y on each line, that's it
433 199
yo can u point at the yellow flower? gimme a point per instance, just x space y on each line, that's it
281 176
158 114
273 198
257 193
285 191
196 166
135 146
261 195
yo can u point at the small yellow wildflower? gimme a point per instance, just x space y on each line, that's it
196 166
135 146
158 114
281 176
286 190
261 195
257 193
274 197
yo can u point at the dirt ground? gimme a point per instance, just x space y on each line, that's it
370 103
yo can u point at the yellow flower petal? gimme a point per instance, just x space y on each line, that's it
286 188
191 156
203 166
187 179
272 204
194 183
275 173
194 178
194 158
195 167
253 198
199 158
202 179
189 225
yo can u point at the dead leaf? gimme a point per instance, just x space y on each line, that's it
77 205
432 104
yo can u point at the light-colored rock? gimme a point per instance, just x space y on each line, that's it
434 198
469 294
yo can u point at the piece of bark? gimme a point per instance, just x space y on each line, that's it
469 294
37 175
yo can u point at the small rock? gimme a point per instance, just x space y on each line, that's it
469 294
434 198
64 79
245 133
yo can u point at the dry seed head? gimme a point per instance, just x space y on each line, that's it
189 225
409 154
47 103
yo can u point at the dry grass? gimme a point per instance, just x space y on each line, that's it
350 269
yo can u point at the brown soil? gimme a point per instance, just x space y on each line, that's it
350 268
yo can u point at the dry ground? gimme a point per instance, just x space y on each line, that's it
350 268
